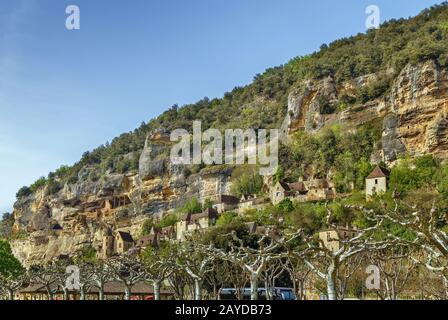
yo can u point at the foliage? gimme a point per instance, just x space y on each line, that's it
341 152
193 206
9 265
411 174
167 220
6 224
147 227
246 181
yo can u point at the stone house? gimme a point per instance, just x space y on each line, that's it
226 203
196 222
331 238
112 244
251 202
123 242
303 191
376 182
150 240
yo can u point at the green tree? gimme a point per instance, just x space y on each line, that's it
193 206
248 183
9 265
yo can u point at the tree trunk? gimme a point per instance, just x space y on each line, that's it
331 283
65 292
127 293
197 290
50 294
11 294
82 293
253 287
156 290
101 293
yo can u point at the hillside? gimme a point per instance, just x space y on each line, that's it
375 96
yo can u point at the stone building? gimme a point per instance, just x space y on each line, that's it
376 182
112 244
332 238
303 191
251 203
196 222
226 203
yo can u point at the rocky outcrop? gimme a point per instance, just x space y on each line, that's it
75 217
419 98
390 141
414 113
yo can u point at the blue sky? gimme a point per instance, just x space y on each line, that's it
65 92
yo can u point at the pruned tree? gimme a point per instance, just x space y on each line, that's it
158 265
12 273
396 266
127 270
196 261
253 260
217 277
238 278
45 276
299 274
326 262
101 274
345 273
10 284
270 275
426 224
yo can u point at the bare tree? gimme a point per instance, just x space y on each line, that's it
272 272
158 266
127 270
253 260
298 273
101 274
11 283
196 262
238 277
425 223
345 273
326 262
396 267
217 277
44 276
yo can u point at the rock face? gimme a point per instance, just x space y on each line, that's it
76 217
413 115
414 112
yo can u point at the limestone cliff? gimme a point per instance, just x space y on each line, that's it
414 112
414 118
76 217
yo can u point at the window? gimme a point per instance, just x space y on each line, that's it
376 181
279 194
328 236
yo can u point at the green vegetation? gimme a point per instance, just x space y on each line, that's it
193 206
341 152
9 265
6 224
246 181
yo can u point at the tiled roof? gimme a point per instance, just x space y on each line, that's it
379 172
125 236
